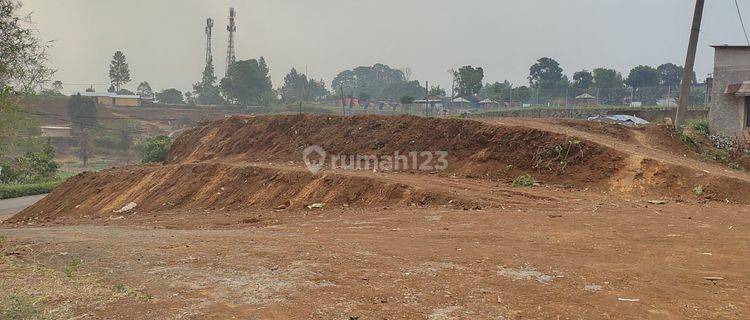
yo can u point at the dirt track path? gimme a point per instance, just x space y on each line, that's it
415 263
637 150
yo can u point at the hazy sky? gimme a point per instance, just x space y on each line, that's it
164 40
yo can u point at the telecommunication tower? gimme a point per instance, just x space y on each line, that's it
232 28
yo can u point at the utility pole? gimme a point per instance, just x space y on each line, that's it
343 102
687 74
427 98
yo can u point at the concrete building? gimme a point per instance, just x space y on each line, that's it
56 132
729 109
111 99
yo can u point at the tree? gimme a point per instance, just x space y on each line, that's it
545 73
170 96
373 80
245 83
468 80
144 90
23 69
607 78
82 112
119 71
497 91
85 149
522 93
295 86
23 56
398 89
643 76
125 132
57 85
670 74
155 149
582 80
124 91
206 91
437 91
406 100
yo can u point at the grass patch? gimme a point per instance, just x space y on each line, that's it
524 181
72 267
698 190
3 238
8 191
20 307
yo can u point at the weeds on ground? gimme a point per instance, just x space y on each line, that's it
524 181
557 157
19 307
698 190
72 267
3 238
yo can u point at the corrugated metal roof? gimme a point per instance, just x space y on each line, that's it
739 89
106 95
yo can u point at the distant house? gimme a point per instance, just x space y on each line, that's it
585 100
56 132
111 99
489 104
729 109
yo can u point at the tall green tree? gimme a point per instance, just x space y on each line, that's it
607 78
296 86
468 80
206 91
670 74
245 83
170 96
82 112
437 91
498 91
144 90
583 80
119 71
545 73
643 76
373 80
23 59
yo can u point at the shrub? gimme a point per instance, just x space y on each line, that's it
524 181
699 125
20 307
8 191
698 190
155 149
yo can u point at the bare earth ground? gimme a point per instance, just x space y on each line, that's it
528 253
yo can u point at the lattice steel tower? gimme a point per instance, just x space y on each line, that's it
209 37
232 28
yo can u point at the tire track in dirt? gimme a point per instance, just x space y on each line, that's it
641 150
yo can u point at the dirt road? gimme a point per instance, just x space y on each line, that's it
576 260
15 205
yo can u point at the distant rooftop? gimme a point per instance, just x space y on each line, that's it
106 94
726 46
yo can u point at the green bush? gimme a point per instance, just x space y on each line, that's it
21 307
699 125
8 191
524 181
155 149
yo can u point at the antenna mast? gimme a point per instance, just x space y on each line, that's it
232 28
209 36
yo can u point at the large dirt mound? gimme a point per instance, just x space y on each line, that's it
220 186
475 149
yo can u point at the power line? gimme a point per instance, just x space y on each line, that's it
742 21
